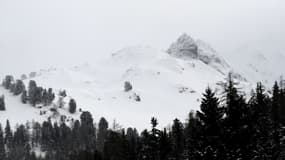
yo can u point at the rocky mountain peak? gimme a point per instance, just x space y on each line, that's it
184 47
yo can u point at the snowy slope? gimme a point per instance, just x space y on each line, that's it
169 87
263 65
170 84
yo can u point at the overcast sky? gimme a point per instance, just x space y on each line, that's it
40 33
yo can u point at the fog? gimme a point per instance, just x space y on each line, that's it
37 34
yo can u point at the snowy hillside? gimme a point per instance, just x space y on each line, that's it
169 84
163 83
258 65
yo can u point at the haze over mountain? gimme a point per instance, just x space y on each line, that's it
39 34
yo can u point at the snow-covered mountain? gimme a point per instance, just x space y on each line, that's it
169 83
265 65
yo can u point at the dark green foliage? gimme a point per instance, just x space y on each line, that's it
2 103
102 134
7 82
62 93
211 120
2 144
72 106
132 137
128 86
115 147
33 92
8 135
24 97
50 96
177 137
88 136
19 87
165 145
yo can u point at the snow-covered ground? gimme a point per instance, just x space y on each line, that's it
169 86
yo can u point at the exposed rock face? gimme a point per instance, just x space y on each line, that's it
187 48
184 47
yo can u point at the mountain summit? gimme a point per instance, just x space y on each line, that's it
187 48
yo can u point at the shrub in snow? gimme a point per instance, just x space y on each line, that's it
62 93
128 86
24 76
137 98
33 74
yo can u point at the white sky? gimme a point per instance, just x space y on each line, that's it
41 33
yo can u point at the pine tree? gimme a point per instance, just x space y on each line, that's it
235 121
115 146
132 138
193 137
261 122
177 136
8 136
50 96
2 103
32 92
275 116
165 145
24 97
19 87
45 98
275 112
7 82
211 116
72 106
154 138
102 134
2 145
88 136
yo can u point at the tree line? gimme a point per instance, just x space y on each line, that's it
34 94
225 128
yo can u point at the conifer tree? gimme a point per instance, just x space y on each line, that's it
211 116
193 132
165 145
261 122
72 106
7 82
276 120
102 134
8 136
154 139
2 103
235 121
19 87
24 97
2 145
88 136
177 136
50 96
